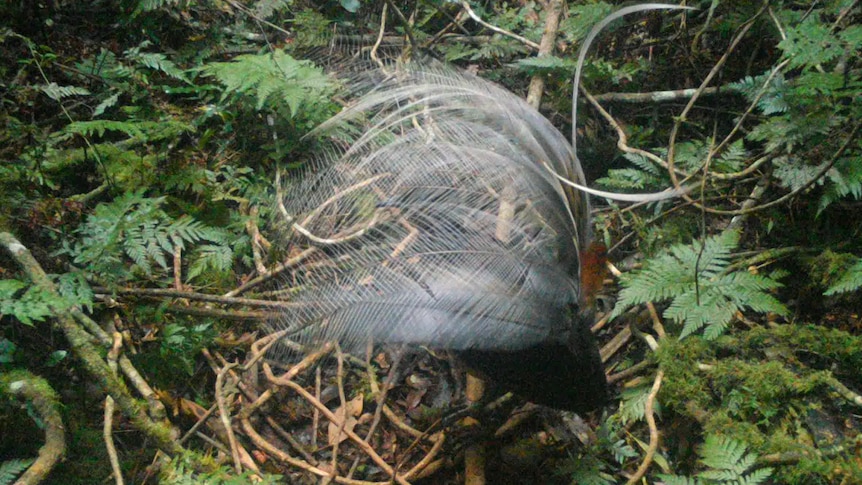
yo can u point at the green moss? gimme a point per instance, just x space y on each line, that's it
683 383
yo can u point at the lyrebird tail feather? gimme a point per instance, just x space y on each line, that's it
465 234
438 223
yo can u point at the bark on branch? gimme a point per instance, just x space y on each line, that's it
81 343
41 398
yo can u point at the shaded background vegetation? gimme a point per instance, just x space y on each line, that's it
140 141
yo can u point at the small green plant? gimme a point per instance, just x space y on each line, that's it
728 462
849 280
12 468
590 466
274 80
27 303
181 471
136 226
703 292
181 343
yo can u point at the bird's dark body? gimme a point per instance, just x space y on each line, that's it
564 376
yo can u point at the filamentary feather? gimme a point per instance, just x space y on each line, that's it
438 223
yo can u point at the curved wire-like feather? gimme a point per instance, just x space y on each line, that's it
465 234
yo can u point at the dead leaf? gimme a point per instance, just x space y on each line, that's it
347 414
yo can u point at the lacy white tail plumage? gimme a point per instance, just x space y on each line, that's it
440 220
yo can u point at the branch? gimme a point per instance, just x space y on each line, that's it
658 96
42 401
81 343
527 42
653 431
552 23
107 426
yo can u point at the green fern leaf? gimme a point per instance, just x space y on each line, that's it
677 480
851 280
731 159
772 100
30 305
57 92
811 43
108 102
845 179
728 458
702 292
273 79
10 469
160 62
217 257
633 404
99 127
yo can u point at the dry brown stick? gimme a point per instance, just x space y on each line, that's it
81 343
267 370
315 419
526 412
345 235
625 374
658 96
278 454
616 343
678 120
656 321
527 42
257 352
253 232
225 314
400 424
178 267
339 379
191 295
43 401
224 413
107 433
290 263
296 445
199 423
622 137
380 396
155 409
653 431
423 469
844 391
553 9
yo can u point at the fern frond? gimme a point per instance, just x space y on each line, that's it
99 127
726 454
728 462
810 43
10 469
731 158
218 257
846 180
633 404
29 306
272 78
772 100
702 293
142 131
137 227
851 280
57 92
678 480
160 62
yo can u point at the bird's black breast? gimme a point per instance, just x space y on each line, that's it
566 376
